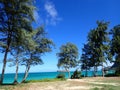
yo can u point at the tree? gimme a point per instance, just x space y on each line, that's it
117 61
98 41
76 74
115 46
16 16
15 61
34 50
67 57
18 50
85 58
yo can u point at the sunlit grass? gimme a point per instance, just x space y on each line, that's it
105 87
45 80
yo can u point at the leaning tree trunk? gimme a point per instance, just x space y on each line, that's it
4 63
103 73
69 74
16 74
26 74
5 56
69 70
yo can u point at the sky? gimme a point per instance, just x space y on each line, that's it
69 21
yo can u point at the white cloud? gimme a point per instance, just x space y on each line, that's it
37 18
36 15
52 14
50 8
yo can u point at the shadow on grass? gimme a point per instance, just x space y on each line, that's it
5 84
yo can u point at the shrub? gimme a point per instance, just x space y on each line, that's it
76 75
60 76
110 75
82 76
117 72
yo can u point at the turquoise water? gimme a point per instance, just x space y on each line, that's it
41 75
32 76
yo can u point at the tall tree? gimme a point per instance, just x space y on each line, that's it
67 57
17 55
15 16
85 58
18 50
115 46
34 50
98 40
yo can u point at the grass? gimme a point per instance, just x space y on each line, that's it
10 86
45 80
13 87
111 81
106 87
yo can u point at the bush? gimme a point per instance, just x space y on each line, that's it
76 75
82 76
110 75
60 76
117 72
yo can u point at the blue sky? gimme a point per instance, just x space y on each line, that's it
70 21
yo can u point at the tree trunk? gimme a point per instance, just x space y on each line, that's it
26 74
103 73
4 65
16 74
95 70
69 70
86 73
69 74
5 56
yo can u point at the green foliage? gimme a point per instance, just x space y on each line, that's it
67 56
117 72
115 42
110 75
85 58
60 76
115 46
76 75
35 49
96 51
16 17
18 36
98 40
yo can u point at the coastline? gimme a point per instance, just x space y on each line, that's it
41 75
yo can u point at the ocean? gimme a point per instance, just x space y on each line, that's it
41 75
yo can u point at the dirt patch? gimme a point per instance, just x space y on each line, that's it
97 80
62 85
